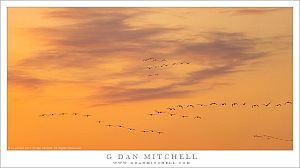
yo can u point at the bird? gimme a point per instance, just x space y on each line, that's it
197 117
151 114
109 125
42 115
213 103
99 121
144 131
159 132
180 106
187 62
62 113
151 130
233 104
244 104
255 105
120 126
170 108
257 136
201 104
52 114
267 104
131 129
174 63
75 113
171 114
223 104
190 105
288 102
183 116
87 115
278 105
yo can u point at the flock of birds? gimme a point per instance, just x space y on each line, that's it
160 66
103 123
170 110
270 137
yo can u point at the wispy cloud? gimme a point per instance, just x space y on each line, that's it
95 39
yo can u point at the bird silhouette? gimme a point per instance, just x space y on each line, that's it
52 114
171 114
87 115
174 63
244 104
201 105
99 121
62 113
223 104
151 130
288 102
213 103
255 105
234 104
159 132
257 136
109 125
131 129
75 113
170 108
183 116
277 105
197 117
180 106
190 105
144 131
42 115
120 126
267 104
151 114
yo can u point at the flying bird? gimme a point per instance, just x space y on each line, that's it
183 116
42 115
255 105
180 106
87 115
52 114
267 104
120 126
75 113
171 114
144 131
62 113
201 104
131 129
244 104
223 104
99 121
288 102
190 105
151 114
197 117
213 103
159 132
170 108
109 125
278 105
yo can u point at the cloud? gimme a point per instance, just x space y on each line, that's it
94 39
21 79
253 11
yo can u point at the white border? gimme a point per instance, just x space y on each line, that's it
97 158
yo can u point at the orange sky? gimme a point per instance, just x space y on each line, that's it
90 61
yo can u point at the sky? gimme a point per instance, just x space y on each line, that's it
121 64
